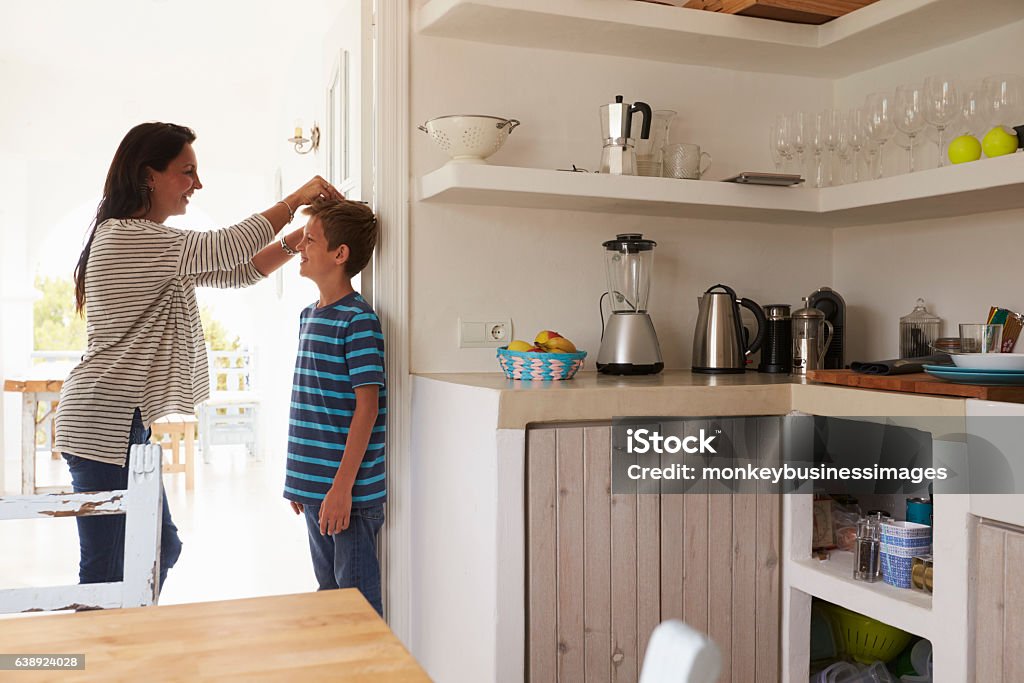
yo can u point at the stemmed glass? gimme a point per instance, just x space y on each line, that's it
972 111
857 134
819 134
880 123
781 140
833 131
797 137
908 114
942 107
1003 99
841 125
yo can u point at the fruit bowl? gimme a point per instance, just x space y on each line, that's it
469 139
531 365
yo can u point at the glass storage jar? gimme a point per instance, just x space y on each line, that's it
919 330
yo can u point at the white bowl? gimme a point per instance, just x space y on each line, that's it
989 361
469 139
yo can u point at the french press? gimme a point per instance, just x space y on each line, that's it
809 338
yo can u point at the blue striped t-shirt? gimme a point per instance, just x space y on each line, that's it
340 347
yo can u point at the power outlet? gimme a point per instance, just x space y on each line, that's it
484 333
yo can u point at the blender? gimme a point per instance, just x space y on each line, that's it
629 344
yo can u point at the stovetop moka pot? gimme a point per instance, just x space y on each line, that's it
618 156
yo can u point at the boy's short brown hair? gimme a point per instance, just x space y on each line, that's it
347 222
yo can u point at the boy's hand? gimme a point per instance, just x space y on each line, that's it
296 507
335 510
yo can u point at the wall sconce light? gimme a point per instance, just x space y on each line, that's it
304 145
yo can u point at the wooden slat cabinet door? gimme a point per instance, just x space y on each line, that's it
604 569
998 603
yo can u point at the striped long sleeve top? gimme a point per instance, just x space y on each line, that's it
145 339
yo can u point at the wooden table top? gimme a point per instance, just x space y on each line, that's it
323 636
36 385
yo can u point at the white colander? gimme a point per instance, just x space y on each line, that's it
469 139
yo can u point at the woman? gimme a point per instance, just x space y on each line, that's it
146 358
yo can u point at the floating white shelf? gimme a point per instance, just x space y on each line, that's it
832 580
979 187
874 35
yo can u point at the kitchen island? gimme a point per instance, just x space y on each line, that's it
470 509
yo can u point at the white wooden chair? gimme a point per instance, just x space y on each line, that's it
142 504
231 414
677 653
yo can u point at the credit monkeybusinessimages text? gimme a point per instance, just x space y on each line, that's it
645 441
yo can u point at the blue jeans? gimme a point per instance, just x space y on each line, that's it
348 559
101 538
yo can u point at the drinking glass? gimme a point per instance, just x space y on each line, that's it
908 115
973 115
781 145
881 127
798 136
833 131
942 107
857 132
819 134
1004 100
980 338
842 127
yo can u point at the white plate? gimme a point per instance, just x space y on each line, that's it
989 361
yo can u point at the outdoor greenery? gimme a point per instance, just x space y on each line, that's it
58 328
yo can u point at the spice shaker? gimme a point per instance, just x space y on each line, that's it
919 329
867 565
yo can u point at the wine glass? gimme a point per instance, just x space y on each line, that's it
819 134
782 148
833 132
881 127
798 136
942 107
973 115
841 125
908 115
1004 100
857 134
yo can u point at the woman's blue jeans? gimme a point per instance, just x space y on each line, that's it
101 538
348 559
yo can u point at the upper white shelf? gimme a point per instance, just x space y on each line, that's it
978 187
871 36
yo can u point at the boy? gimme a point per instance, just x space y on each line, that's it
335 469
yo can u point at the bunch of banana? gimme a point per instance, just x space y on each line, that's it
546 341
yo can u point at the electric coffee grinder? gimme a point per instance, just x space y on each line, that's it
629 344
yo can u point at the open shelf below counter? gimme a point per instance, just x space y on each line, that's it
832 580
979 187
877 34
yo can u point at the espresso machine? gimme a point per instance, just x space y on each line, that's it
619 154
829 302
629 344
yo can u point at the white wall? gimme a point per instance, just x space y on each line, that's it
544 269
960 266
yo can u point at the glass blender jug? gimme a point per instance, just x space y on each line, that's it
629 344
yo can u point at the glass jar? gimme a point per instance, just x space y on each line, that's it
919 330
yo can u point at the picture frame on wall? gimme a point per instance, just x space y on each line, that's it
339 167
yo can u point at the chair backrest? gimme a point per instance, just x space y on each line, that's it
142 504
231 370
677 653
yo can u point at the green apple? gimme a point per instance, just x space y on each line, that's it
964 148
998 142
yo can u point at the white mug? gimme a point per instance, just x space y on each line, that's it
683 160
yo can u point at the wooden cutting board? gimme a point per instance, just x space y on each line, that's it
917 383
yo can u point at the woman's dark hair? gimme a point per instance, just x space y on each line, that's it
125 192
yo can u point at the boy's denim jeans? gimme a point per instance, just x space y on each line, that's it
348 559
101 538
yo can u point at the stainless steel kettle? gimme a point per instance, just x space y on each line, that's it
719 342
